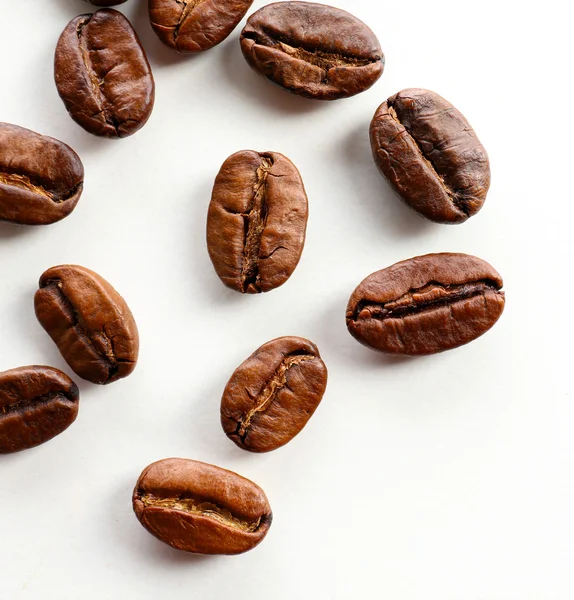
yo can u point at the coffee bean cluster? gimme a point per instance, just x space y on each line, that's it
256 225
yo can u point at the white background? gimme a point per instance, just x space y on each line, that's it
440 478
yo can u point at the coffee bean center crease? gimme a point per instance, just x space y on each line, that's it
25 183
204 509
459 197
97 82
427 298
270 390
99 341
314 56
21 405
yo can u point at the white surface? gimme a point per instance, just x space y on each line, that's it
440 478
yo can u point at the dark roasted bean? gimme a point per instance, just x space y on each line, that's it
426 304
90 322
106 2
201 508
36 404
273 394
256 221
431 156
195 25
103 76
312 50
41 179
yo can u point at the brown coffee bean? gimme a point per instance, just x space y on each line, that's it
103 76
106 2
312 50
41 179
36 404
273 394
431 156
90 322
195 25
256 221
426 304
201 508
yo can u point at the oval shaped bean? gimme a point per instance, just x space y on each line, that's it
89 321
431 156
103 75
41 178
201 508
257 221
273 394
37 403
426 304
195 25
313 50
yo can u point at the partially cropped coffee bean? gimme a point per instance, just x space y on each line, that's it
273 394
41 179
103 76
201 508
312 50
431 156
426 304
90 322
106 2
36 404
256 221
195 25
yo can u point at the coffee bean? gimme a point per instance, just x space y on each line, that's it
106 2
201 508
312 50
273 394
103 76
36 404
195 25
90 322
256 221
426 304
41 179
431 156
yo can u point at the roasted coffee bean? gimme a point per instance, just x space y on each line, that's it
106 2
256 221
273 394
41 179
195 25
426 304
201 508
90 322
312 50
36 404
431 156
103 76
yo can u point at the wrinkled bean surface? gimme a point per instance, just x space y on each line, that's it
257 221
89 321
312 50
103 76
195 25
273 394
430 155
201 508
426 304
41 178
36 404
